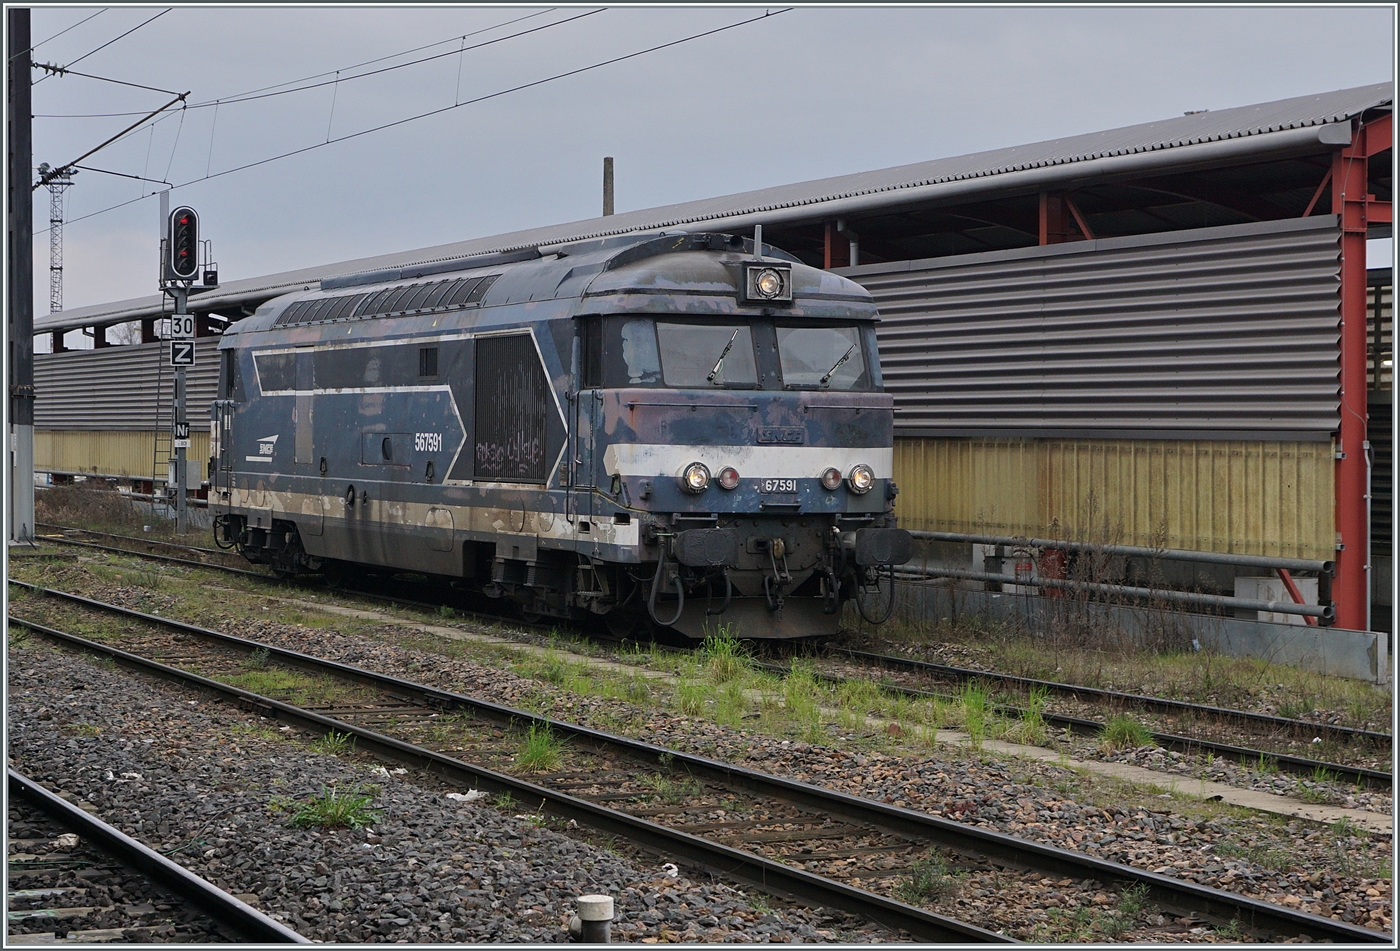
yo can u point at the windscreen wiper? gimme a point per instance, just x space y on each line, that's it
826 377
714 371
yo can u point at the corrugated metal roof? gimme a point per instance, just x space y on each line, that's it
1180 131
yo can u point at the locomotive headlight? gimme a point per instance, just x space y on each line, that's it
768 283
862 478
695 478
728 477
831 479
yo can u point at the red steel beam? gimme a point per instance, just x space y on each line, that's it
1287 578
1351 590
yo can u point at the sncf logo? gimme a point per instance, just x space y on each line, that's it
265 447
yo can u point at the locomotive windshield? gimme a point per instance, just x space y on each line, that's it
726 353
822 358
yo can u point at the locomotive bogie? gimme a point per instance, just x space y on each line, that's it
617 428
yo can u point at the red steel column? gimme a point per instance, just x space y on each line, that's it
1351 591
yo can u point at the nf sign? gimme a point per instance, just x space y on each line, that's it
181 353
182 436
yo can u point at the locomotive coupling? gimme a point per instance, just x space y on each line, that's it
879 546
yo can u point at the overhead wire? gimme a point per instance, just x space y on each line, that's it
59 33
433 112
251 94
111 41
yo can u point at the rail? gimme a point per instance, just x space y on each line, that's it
246 921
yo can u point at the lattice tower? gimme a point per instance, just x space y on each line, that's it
56 189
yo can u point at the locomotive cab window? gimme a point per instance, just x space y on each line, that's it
822 357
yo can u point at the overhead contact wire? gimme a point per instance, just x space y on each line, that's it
434 112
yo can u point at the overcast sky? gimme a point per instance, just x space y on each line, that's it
805 94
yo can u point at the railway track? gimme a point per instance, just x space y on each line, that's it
1298 765
1119 700
1262 724
69 864
799 839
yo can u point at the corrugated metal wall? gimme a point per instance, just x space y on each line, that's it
1225 332
1259 498
112 453
115 388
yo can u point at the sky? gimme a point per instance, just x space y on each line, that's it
785 97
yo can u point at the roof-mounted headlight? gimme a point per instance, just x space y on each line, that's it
767 284
695 478
862 479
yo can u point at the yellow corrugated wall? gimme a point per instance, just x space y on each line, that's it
121 454
1259 498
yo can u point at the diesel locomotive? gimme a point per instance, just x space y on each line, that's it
680 430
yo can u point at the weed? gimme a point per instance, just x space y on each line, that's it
16 635
732 704
671 790
335 743
723 656
1031 727
1345 828
928 878
1122 732
1231 932
540 751
258 659
1267 764
759 903
691 697
504 802
335 810
1131 901
975 714
446 612
86 729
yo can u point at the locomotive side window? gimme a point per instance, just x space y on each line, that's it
512 406
822 357
639 354
427 361
705 355
276 371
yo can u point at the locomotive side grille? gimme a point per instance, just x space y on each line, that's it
478 292
440 290
462 290
394 301
374 304
512 400
345 306
420 295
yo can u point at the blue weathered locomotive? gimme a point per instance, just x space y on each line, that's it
666 428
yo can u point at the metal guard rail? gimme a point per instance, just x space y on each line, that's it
1324 611
1171 554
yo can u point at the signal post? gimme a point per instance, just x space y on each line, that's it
179 266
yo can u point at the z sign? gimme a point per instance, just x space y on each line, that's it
181 353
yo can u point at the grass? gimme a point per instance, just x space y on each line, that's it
672 790
975 713
1122 732
334 743
723 656
540 750
334 809
1030 727
928 878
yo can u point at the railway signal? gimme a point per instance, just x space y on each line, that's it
183 261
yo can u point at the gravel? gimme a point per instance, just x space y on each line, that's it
216 789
